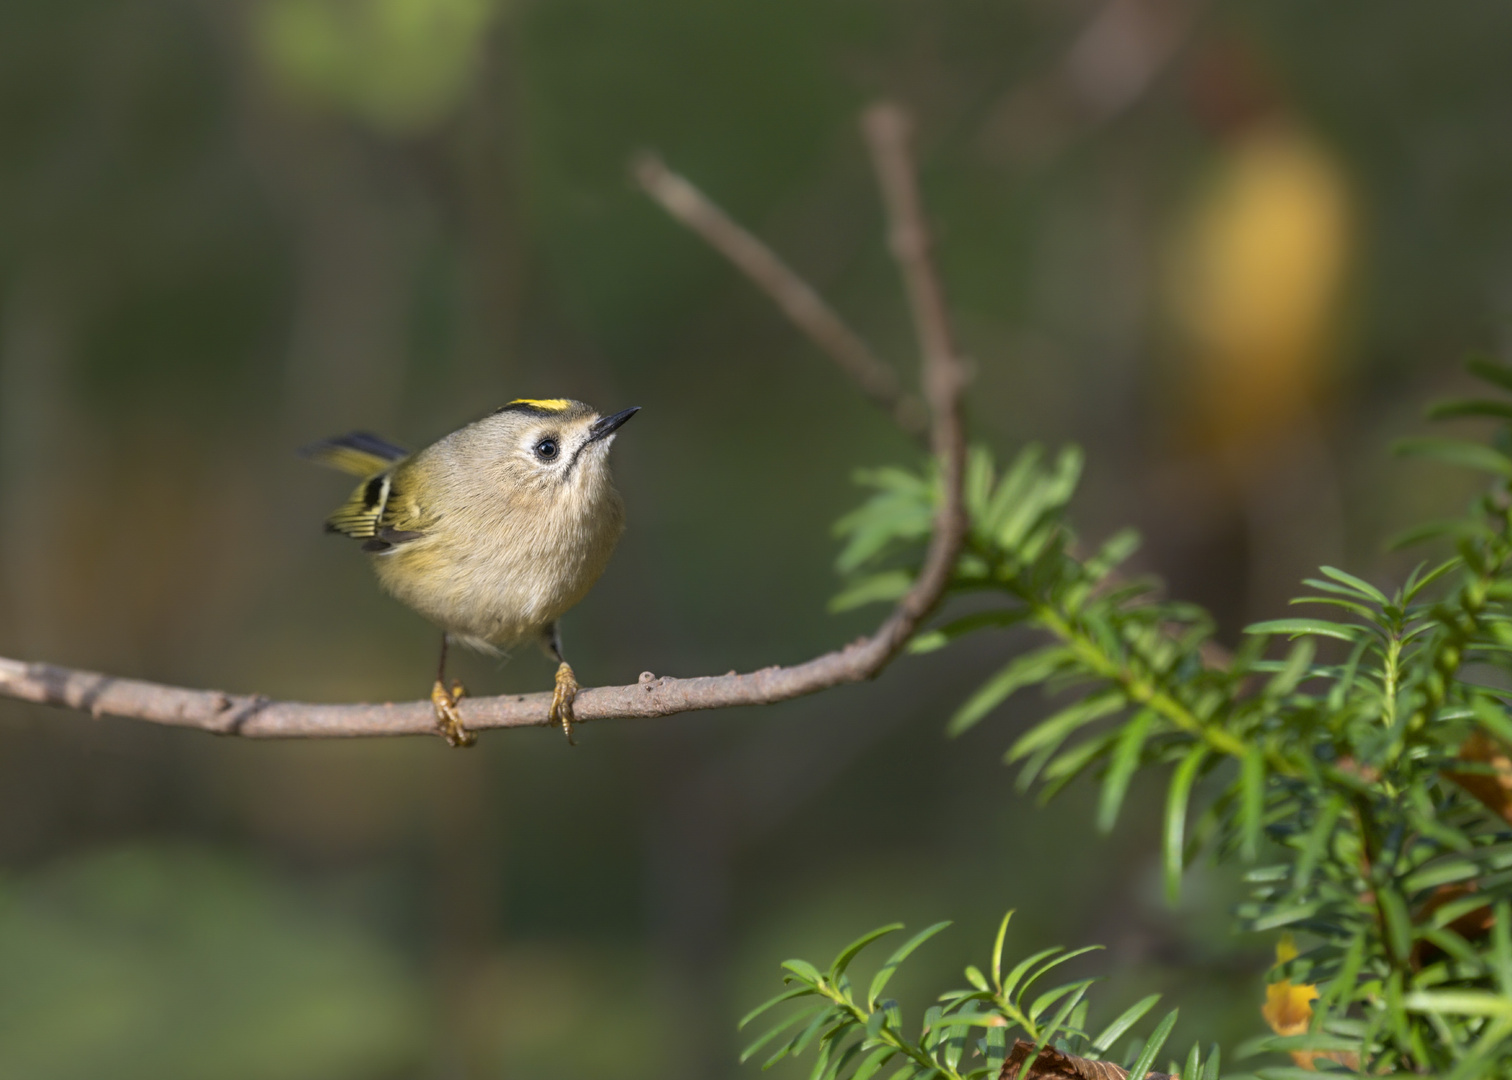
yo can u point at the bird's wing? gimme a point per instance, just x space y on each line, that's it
382 512
360 453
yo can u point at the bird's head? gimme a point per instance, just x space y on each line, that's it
554 446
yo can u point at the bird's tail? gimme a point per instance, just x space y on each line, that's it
357 452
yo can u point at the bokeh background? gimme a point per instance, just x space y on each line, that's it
1230 248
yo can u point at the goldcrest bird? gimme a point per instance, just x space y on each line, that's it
492 533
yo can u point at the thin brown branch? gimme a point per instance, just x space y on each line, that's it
942 371
887 134
254 716
797 298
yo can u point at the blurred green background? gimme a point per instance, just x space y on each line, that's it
1231 248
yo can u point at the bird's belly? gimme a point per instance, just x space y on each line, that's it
498 594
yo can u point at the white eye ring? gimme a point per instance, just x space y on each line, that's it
547 449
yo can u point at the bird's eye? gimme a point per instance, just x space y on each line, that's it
547 449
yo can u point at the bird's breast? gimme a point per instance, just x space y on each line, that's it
502 573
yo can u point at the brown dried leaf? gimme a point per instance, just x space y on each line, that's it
1471 926
1494 789
1052 1064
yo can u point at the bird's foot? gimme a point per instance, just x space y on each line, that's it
448 719
561 701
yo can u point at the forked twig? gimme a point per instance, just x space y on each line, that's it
797 298
254 716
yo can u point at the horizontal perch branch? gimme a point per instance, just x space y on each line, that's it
258 717
255 716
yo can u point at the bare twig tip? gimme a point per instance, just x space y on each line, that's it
887 120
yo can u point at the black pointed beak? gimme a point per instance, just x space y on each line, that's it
608 425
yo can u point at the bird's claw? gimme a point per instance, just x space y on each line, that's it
448 719
561 701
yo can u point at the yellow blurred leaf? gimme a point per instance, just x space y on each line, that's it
1258 274
1288 1011
1288 1008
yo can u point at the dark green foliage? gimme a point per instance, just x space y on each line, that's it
965 1037
1325 743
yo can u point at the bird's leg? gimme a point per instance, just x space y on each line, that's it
562 698
566 686
448 719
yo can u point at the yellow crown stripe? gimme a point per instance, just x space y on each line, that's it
555 404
